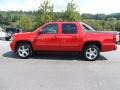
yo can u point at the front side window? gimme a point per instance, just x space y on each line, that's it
50 29
69 29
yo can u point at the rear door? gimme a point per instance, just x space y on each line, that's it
70 40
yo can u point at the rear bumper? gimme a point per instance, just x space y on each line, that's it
109 47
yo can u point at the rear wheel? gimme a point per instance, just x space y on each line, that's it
91 52
24 50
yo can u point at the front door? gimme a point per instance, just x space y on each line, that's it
48 40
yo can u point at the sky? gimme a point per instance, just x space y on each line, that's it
84 6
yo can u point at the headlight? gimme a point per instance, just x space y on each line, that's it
12 38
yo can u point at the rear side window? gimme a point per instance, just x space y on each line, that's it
69 29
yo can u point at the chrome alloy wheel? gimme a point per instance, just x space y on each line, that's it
23 51
91 53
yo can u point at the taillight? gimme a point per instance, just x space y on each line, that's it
114 38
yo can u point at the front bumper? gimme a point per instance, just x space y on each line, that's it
12 45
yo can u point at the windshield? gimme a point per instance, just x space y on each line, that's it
11 30
87 28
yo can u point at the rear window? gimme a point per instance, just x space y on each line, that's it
69 28
87 28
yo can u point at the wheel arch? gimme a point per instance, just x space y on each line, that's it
96 43
23 41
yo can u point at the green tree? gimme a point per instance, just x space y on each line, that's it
71 13
26 23
117 26
44 14
111 23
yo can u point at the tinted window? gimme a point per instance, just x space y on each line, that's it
50 29
87 28
11 30
69 29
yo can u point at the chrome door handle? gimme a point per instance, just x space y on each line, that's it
74 37
54 37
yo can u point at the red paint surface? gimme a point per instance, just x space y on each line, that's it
64 42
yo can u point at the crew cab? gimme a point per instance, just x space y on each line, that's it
64 36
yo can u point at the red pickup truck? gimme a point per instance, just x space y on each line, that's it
64 36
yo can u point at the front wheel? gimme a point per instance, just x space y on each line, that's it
91 52
24 50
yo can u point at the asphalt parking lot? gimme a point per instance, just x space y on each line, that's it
50 71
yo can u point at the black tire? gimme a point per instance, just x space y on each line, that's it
26 53
7 39
88 52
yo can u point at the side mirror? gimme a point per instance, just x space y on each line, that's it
40 32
